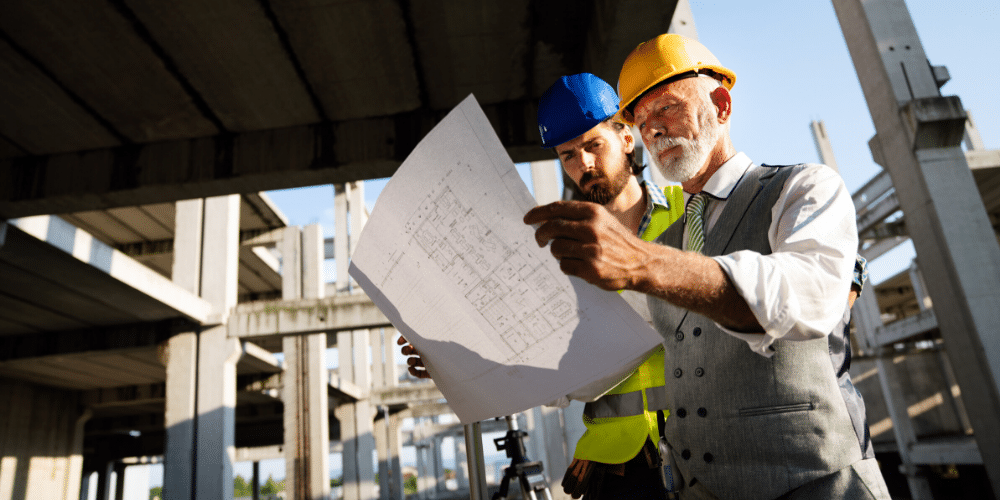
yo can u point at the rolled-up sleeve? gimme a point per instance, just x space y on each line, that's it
799 291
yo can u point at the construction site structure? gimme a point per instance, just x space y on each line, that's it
143 323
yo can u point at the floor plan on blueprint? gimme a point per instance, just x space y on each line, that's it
447 258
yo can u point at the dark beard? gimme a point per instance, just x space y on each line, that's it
602 194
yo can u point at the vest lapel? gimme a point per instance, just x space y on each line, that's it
747 189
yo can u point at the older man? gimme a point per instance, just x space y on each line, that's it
617 456
748 292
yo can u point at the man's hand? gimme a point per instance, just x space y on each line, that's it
589 242
415 365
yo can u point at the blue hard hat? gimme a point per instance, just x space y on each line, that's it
572 106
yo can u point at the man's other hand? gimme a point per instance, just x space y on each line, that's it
415 365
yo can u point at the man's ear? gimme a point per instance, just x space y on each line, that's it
723 102
627 138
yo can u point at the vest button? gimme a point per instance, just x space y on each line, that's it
708 458
697 331
702 412
699 372
679 336
686 454
681 412
678 372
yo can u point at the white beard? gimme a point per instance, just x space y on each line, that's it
694 152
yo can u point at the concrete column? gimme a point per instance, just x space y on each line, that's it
356 419
823 145
573 427
341 239
919 287
390 371
544 180
218 354
104 481
557 455
180 357
119 481
438 463
918 135
389 473
85 487
683 21
307 431
461 464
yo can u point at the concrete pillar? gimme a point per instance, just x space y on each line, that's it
306 418
104 481
387 443
387 439
217 354
180 357
544 179
438 463
461 464
119 481
557 457
918 135
341 239
919 286
356 419
85 487
823 145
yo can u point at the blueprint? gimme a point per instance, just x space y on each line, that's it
446 256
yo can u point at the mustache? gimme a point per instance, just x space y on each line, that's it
588 176
666 142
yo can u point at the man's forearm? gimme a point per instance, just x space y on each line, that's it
696 283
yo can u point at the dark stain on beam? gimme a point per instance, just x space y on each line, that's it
411 37
79 101
27 177
168 63
223 164
293 57
324 146
124 174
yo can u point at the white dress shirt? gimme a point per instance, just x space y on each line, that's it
799 291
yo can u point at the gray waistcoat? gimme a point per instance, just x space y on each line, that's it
743 425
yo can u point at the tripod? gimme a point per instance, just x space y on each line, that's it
529 474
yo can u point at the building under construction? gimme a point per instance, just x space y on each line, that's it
157 307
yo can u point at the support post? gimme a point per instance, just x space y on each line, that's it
180 357
215 449
307 430
919 134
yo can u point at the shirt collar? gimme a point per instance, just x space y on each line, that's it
655 197
724 180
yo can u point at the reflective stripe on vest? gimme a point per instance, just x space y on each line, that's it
626 405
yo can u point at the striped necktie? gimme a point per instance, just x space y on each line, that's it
695 223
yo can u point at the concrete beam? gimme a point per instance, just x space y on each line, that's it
47 245
900 331
961 450
305 316
328 153
404 394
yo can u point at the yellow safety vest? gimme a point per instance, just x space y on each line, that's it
618 423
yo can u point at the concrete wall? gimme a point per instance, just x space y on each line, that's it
41 442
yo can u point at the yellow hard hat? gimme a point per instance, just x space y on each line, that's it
660 59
